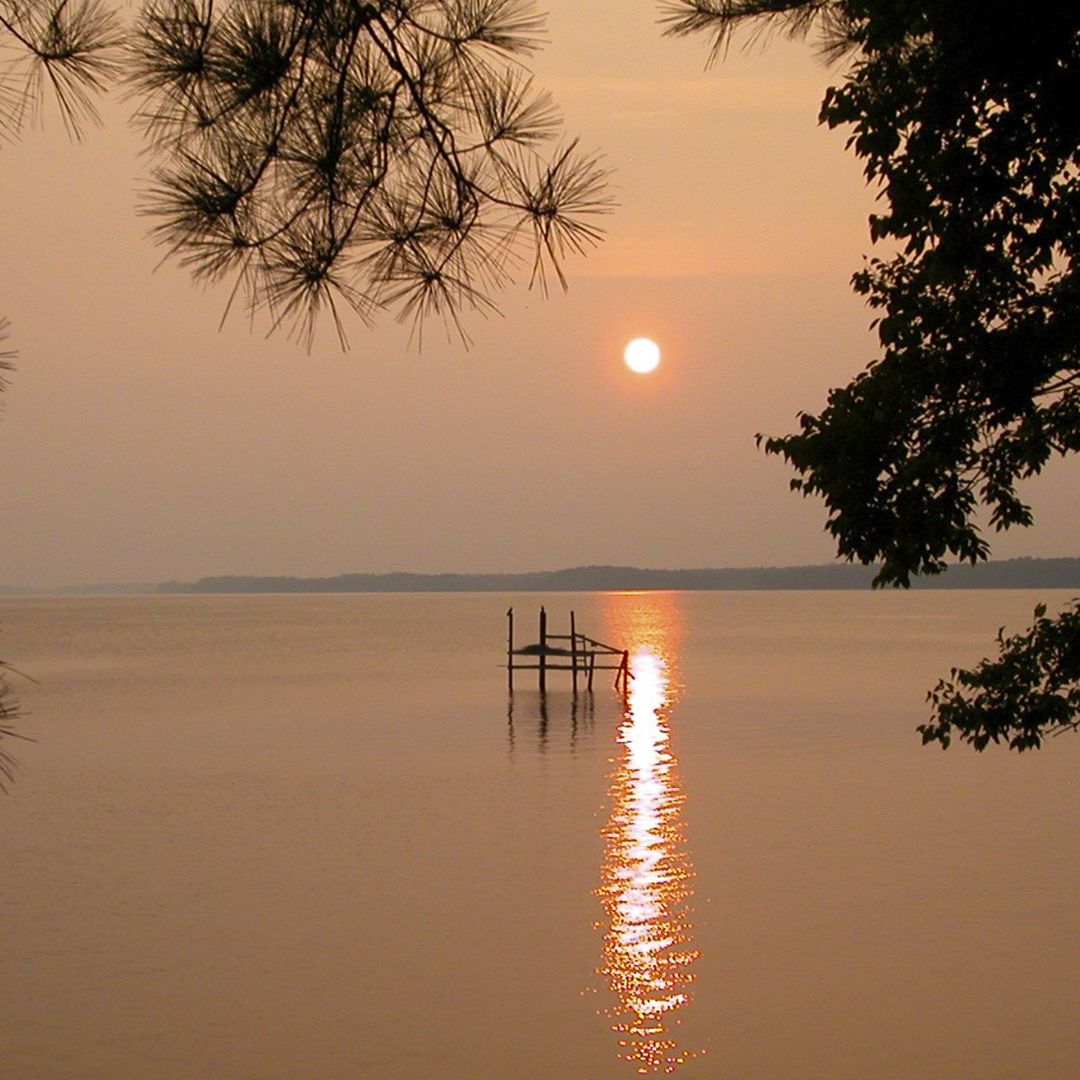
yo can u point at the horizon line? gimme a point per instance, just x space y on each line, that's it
859 570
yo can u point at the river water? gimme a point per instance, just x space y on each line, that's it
285 837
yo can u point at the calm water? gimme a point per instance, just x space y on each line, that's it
309 837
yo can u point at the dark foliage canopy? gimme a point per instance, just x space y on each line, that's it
964 115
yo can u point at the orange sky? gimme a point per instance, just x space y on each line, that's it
142 443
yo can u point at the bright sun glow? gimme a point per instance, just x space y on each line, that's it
642 355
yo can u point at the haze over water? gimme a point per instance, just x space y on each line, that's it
305 836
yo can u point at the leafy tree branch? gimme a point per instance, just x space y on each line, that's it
1029 693
959 113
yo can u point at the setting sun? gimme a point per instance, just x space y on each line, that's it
642 355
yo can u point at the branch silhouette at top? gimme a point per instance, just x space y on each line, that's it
330 155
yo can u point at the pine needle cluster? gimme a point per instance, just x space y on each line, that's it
328 156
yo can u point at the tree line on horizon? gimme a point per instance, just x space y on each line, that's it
1022 573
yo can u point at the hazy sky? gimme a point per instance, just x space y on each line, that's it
140 442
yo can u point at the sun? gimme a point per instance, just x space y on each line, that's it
642 355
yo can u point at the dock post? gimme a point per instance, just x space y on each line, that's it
573 650
543 650
510 651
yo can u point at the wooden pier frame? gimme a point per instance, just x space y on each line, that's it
582 652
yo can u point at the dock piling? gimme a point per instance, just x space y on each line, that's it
543 650
573 650
510 651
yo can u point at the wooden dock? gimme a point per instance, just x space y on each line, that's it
580 655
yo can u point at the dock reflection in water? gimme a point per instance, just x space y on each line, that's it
648 953
534 716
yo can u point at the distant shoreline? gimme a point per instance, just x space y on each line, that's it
1060 573
1004 574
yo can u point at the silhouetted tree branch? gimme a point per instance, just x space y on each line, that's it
9 713
9 705
723 19
1029 693
69 47
959 112
329 154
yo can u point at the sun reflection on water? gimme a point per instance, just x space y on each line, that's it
646 879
